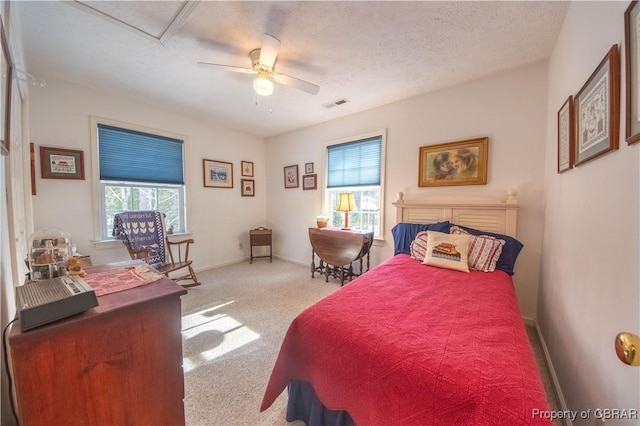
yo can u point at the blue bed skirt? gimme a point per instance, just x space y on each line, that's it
304 405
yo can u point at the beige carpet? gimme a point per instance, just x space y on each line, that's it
233 325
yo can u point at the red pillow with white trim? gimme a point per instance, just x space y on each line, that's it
418 248
484 250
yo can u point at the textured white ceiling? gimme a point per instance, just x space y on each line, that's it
370 53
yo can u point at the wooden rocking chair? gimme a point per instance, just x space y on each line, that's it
143 234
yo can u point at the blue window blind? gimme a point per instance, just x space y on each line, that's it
131 156
354 163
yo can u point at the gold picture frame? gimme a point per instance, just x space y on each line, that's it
454 163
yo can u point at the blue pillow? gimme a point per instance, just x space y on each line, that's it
510 251
405 233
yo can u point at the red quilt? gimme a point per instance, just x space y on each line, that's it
411 344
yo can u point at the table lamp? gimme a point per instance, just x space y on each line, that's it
346 204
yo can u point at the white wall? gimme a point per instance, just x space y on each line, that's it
509 108
589 285
219 219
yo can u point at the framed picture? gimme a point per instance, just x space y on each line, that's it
246 168
59 163
248 187
291 176
217 174
308 168
632 55
597 110
566 136
32 167
454 163
310 182
5 77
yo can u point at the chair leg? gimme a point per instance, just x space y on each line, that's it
191 276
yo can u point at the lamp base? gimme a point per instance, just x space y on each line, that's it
346 229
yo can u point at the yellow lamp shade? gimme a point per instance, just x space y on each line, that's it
346 202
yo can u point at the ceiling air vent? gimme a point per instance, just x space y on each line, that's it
336 103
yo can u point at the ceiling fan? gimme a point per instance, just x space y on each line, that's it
262 63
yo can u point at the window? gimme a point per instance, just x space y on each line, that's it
357 165
138 170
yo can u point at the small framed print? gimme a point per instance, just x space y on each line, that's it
59 163
566 133
247 168
310 182
308 168
597 111
217 174
248 187
291 176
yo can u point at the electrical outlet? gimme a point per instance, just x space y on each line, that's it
240 245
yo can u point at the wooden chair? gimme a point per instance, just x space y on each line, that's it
143 234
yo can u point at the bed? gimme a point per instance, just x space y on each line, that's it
410 343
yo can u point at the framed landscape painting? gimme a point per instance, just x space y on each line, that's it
454 163
217 174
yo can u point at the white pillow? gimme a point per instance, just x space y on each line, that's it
418 246
447 250
484 250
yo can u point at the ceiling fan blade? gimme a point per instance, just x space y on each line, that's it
269 50
226 68
296 83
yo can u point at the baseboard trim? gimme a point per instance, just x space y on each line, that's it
552 372
247 259
296 262
220 265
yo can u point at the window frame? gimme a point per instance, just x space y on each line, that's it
99 213
326 202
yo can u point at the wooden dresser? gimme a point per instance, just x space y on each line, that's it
117 364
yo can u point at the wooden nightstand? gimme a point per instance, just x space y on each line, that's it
337 250
261 237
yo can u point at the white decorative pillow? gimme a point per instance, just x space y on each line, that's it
418 246
484 250
447 250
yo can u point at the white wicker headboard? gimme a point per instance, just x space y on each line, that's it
498 217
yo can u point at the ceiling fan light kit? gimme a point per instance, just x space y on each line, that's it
263 86
263 61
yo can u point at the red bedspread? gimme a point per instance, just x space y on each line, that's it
410 344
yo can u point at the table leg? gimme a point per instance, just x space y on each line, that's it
313 263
